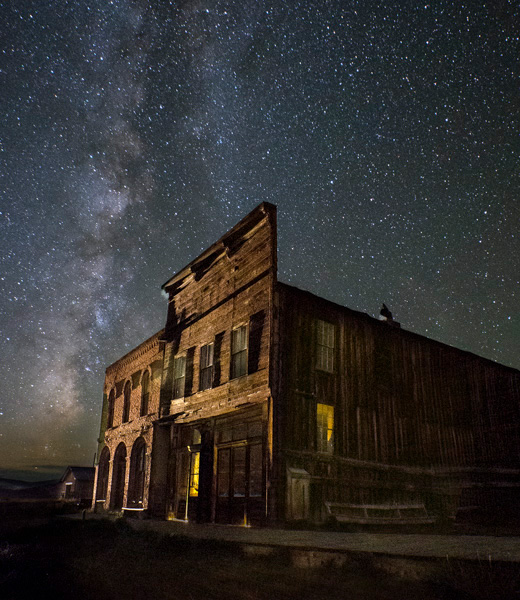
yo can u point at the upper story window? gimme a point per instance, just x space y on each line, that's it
145 393
325 346
179 376
126 402
238 352
325 428
206 366
111 402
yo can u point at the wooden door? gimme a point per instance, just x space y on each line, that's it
240 484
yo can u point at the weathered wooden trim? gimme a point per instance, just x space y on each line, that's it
248 224
379 514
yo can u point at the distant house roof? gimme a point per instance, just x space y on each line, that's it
80 473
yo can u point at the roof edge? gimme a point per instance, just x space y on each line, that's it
401 330
155 338
249 221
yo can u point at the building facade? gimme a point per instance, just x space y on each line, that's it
259 403
130 408
76 485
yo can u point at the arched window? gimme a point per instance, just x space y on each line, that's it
126 403
118 478
137 474
145 393
102 479
111 402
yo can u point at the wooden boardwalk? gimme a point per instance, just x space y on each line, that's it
466 547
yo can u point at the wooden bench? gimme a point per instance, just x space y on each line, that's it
138 511
379 514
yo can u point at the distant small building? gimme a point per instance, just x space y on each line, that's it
77 484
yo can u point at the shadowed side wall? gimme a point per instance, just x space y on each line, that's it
414 420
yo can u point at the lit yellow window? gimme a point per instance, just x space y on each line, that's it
194 474
325 433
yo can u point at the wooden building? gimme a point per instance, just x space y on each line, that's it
266 404
76 485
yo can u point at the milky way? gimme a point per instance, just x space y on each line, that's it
134 134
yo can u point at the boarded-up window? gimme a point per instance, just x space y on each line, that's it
325 428
103 469
238 480
145 393
255 470
256 328
206 366
223 472
217 367
126 402
325 346
117 492
111 403
238 352
137 473
188 382
179 376
239 471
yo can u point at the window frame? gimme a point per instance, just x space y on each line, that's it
137 475
127 399
145 393
238 361
324 428
103 469
194 474
111 408
325 345
206 366
178 388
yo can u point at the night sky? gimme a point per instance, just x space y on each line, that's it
134 134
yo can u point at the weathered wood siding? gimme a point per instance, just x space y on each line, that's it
406 408
230 285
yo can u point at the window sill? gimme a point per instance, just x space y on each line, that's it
237 377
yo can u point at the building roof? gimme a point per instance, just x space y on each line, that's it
405 333
140 349
80 473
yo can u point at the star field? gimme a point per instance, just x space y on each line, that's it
135 133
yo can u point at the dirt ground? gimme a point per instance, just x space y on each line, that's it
63 559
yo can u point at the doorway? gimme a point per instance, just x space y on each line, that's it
240 484
118 478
